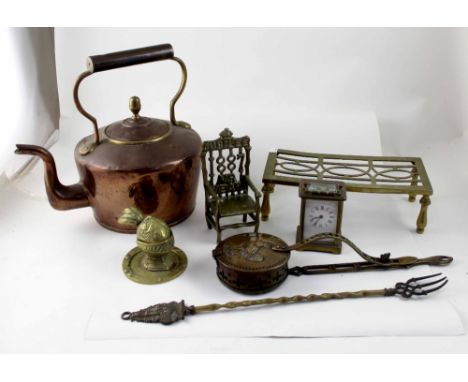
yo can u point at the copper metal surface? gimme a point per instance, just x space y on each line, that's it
147 163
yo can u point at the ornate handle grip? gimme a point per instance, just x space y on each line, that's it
100 63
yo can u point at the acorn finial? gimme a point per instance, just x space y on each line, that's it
135 106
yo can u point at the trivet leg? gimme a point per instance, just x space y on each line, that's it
422 217
267 189
414 183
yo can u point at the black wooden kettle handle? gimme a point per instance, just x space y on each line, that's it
102 62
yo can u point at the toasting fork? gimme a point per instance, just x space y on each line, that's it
168 313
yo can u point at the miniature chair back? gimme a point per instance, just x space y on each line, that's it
225 162
225 168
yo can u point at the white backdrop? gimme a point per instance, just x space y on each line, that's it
282 87
28 94
413 79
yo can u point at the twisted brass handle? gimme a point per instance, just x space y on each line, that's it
168 313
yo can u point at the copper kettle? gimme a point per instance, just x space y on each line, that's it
148 163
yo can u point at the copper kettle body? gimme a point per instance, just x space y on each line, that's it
148 163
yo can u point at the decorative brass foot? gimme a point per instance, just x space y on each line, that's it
422 217
267 189
145 268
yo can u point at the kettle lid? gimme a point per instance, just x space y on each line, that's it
137 129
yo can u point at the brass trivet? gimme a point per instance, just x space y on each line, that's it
371 174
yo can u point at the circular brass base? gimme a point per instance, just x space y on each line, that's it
134 267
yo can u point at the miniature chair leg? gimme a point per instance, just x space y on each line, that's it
208 222
267 189
422 217
218 230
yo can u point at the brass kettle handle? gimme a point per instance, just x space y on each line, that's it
100 63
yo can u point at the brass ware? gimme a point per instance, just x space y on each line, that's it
169 313
247 263
321 211
225 169
384 261
258 263
371 174
149 163
155 260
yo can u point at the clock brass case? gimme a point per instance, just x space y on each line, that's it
321 191
155 260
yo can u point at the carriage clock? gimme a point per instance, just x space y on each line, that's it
321 211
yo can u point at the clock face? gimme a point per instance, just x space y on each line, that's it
320 216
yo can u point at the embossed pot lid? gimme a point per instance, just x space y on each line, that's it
247 263
137 129
250 252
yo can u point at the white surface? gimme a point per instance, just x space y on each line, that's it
56 290
346 318
260 80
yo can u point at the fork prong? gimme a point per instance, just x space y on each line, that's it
416 279
436 288
419 285
418 291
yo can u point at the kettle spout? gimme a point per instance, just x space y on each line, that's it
60 197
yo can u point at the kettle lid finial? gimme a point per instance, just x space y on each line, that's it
135 106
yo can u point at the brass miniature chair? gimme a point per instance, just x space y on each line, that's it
225 167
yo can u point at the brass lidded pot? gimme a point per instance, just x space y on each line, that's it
151 164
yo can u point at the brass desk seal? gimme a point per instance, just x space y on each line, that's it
155 260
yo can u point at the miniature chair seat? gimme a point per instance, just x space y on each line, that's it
234 205
225 168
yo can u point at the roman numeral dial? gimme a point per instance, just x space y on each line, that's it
320 216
